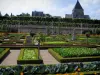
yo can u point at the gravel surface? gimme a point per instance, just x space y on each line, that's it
11 59
47 57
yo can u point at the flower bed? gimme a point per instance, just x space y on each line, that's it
29 56
75 54
3 53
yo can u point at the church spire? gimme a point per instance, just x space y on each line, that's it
78 5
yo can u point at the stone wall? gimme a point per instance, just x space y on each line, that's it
51 30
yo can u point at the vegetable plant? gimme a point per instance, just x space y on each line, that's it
77 52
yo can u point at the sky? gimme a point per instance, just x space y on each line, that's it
52 7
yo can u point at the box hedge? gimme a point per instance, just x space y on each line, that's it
4 54
21 61
74 59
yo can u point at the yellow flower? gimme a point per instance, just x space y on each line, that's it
95 73
78 69
66 74
21 73
81 73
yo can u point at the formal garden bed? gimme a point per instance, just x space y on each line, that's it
29 56
3 53
67 39
55 69
75 54
13 39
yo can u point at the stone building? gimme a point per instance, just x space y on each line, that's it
77 12
37 13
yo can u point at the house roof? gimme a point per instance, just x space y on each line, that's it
78 5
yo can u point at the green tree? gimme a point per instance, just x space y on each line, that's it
6 15
87 36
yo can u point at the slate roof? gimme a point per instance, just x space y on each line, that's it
78 5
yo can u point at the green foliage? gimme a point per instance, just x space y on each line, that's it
29 54
4 52
1 50
56 38
50 19
76 52
55 43
16 35
42 37
91 40
20 57
51 69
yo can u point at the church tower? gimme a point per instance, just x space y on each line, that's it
78 11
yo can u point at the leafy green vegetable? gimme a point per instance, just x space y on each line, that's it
76 52
29 53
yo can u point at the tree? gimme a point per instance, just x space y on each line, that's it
6 15
32 34
24 15
87 36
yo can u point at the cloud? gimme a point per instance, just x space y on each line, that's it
98 11
47 6
18 6
91 7
90 2
53 7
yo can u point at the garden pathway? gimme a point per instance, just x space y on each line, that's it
11 59
47 57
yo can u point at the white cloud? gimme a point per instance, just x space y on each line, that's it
91 7
18 6
87 3
98 11
47 6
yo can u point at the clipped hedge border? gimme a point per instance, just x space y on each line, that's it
21 61
74 59
27 70
4 54
70 45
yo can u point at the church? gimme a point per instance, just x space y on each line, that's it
77 12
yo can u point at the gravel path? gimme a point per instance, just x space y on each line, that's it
47 57
11 59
